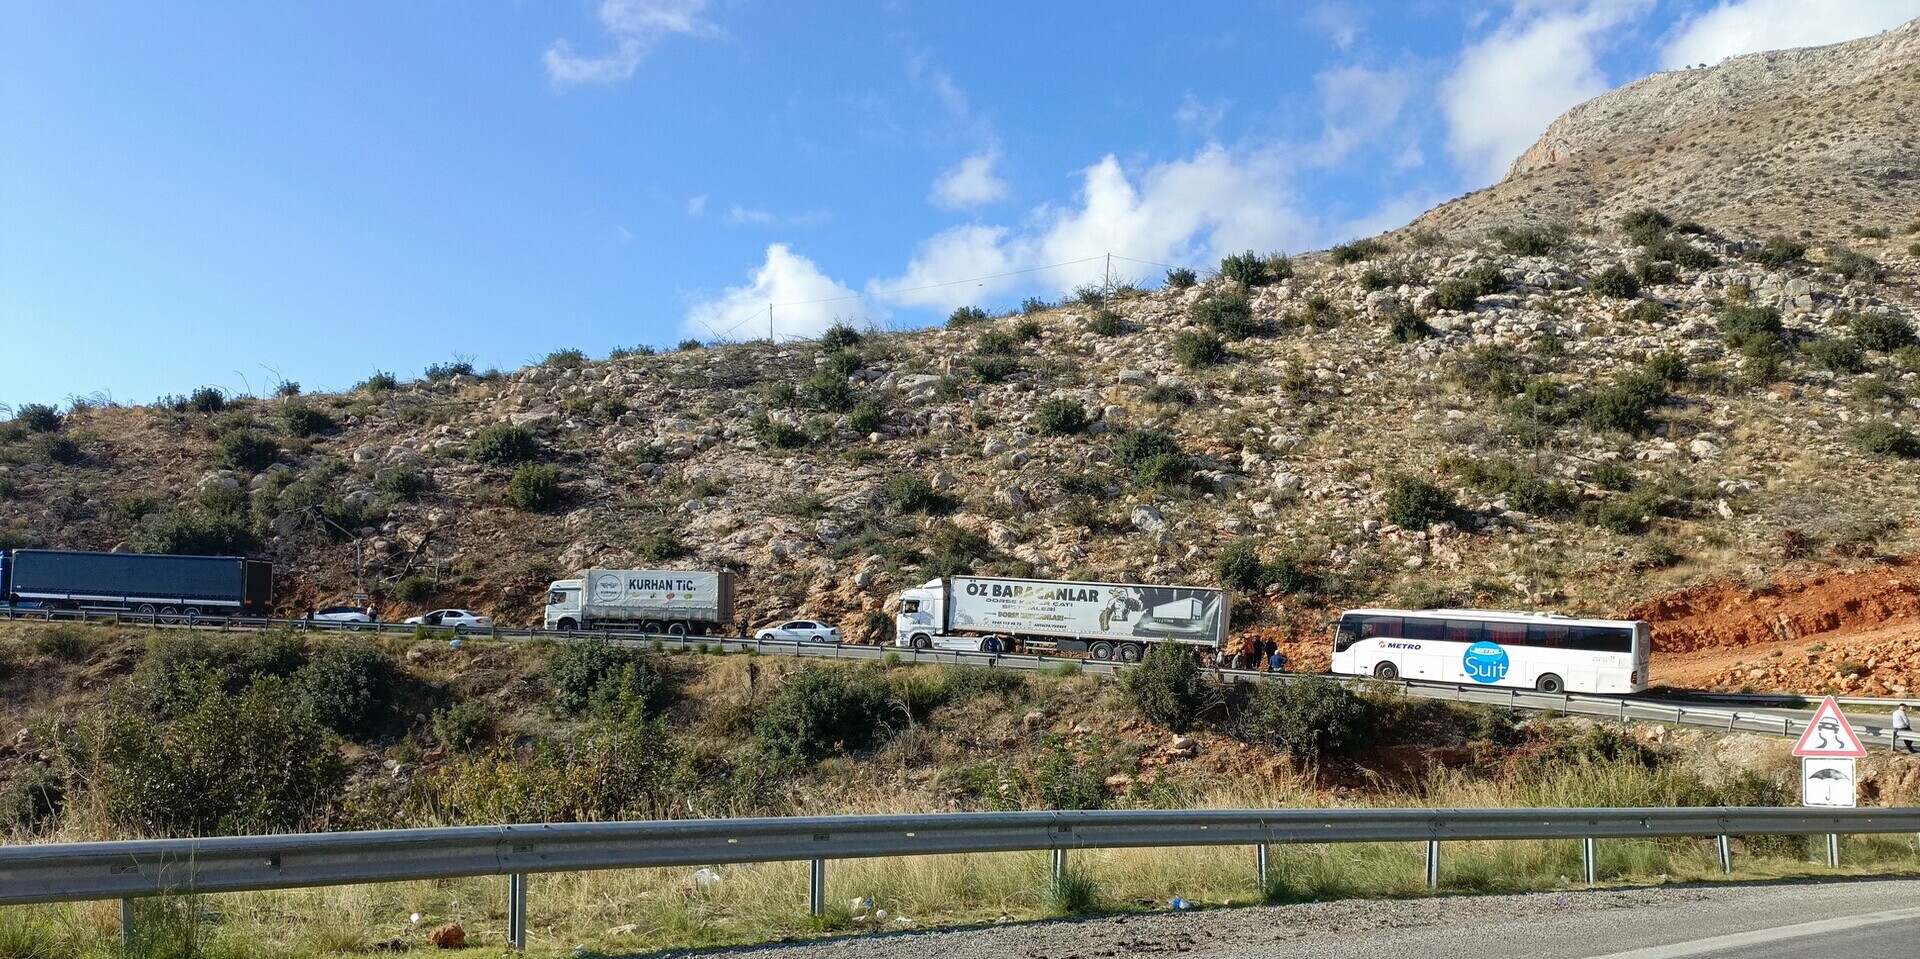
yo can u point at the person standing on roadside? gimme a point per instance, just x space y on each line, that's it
1901 724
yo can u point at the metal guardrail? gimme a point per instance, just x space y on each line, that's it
1775 722
71 872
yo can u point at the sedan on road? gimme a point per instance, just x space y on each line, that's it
801 631
461 620
350 617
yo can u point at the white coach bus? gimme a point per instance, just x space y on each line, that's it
1541 651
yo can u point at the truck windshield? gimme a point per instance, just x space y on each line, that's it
910 606
558 597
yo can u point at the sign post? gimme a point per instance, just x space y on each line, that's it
1827 751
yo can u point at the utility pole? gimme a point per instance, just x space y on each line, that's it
360 596
770 323
1109 286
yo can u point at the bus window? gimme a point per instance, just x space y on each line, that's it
1381 627
1421 629
1550 635
1463 631
1346 633
1506 634
1601 639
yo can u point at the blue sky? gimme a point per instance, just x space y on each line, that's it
316 191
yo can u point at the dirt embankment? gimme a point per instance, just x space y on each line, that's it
1854 632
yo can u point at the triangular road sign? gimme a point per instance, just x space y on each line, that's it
1829 735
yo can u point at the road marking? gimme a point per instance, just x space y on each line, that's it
1757 937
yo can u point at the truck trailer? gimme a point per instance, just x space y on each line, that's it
670 602
164 586
1105 620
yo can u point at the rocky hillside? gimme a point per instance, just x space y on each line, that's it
1825 139
1576 414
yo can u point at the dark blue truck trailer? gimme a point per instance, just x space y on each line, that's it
150 584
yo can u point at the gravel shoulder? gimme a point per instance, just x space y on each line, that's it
1566 924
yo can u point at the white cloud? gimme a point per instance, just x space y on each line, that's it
1357 106
785 278
1339 22
1192 210
972 183
1542 60
697 205
738 215
634 26
1200 116
1735 27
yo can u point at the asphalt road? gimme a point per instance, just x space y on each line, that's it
1865 919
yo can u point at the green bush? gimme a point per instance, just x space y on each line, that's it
253 763
37 417
1837 356
464 725
565 360
1229 314
830 391
608 680
1180 278
1855 265
414 590
1645 225
1681 253
1530 240
1312 719
1882 438
1407 326
868 416
1154 457
1240 568
1626 404
1166 687
689 345
441 372
1196 349
843 363
1615 282
992 368
659 547
1526 490
1667 367
1882 332
822 711
1027 330
303 420
1106 321
31 801
1456 295
1063 783
504 444
1358 250
194 531
1654 272
246 451
1060 416
1743 324
777 434
913 494
1417 504
351 686
402 482
839 336
206 399
379 382
60 449
1252 269
535 488
1777 252
965 316
1172 394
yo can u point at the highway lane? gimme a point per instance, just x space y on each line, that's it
1854 919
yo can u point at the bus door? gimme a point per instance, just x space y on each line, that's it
1423 654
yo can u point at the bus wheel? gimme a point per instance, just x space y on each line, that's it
1386 671
1549 683
1102 651
1130 652
922 641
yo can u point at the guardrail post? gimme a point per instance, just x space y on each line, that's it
517 911
126 924
817 887
1059 867
1833 850
1260 864
1433 864
1591 855
1726 855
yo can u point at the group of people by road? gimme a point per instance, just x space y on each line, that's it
1247 652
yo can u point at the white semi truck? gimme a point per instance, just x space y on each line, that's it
1105 620
670 602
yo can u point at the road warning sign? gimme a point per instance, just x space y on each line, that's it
1829 735
1826 782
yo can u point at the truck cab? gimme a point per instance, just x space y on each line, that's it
922 617
564 604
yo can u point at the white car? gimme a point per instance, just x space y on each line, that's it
460 620
350 617
801 631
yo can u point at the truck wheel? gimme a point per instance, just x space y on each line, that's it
922 641
677 629
1386 671
1130 652
568 625
1101 651
192 612
651 628
168 614
146 609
